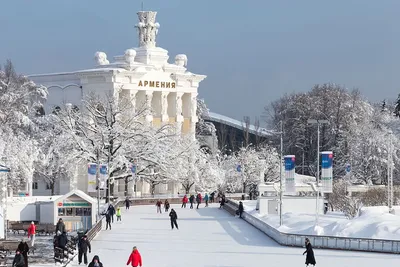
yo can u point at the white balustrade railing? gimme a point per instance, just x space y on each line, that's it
324 242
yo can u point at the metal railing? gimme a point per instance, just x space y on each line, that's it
323 242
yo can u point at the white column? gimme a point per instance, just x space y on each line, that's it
193 114
132 97
149 112
164 107
179 116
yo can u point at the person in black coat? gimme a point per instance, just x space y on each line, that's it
310 259
222 202
83 246
174 217
18 260
62 241
111 211
95 262
60 226
108 221
24 249
127 203
241 209
191 200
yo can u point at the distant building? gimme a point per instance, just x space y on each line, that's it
143 74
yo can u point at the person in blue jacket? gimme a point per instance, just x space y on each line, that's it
206 199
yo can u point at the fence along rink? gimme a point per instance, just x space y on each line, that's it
323 242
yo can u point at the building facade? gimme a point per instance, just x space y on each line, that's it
142 74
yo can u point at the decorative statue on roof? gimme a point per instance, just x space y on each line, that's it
178 104
181 60
147 28
130 55
101 58
193 105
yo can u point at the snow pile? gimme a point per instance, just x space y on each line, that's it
373 222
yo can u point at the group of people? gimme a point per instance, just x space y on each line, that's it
198 200
21 255
109 214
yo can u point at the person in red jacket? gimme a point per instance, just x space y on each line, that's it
184 201
32 233
135 259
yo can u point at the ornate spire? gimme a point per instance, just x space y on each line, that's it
147 28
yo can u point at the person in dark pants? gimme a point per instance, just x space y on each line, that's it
63 240
127 203
83 246
198 200
174 217
222 203
108 221
191 200
310 259
24 249
158 205
60 226
241 209
111 211
166 205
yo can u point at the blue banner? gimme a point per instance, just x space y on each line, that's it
327 161
103 169
290 163
92 169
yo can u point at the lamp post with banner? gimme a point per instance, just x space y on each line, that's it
134 178
318 123
4 199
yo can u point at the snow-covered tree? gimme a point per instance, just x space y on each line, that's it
20 101
108 130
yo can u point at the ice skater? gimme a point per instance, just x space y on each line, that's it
198 200
166 205
118 214
206 199
158 205
174 217
241 209
184 201
310 259
127 203
191 200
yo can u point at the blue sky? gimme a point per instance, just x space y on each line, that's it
252 51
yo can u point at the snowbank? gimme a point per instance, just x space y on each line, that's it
373 222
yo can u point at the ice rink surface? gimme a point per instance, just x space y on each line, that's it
209 237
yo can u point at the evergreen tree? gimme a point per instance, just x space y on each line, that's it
397 107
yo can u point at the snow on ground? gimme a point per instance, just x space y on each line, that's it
208 237
374 222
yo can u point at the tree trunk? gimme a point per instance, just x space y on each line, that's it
153 188
52 187
126 186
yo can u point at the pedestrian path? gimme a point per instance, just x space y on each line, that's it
208 237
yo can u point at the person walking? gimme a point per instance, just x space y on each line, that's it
62 241
83 246
310 259
184 201
118 214
166 205
108 221
135 259
198 200
174 217
111 211
191 200
24 250
19 260
60 226
222 202
206 199
241 209
127 203
212 196
158 205
95 262
32 233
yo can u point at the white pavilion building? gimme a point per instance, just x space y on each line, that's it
145 76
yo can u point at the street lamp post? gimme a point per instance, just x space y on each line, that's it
318 123
390 173
4 199
280 177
